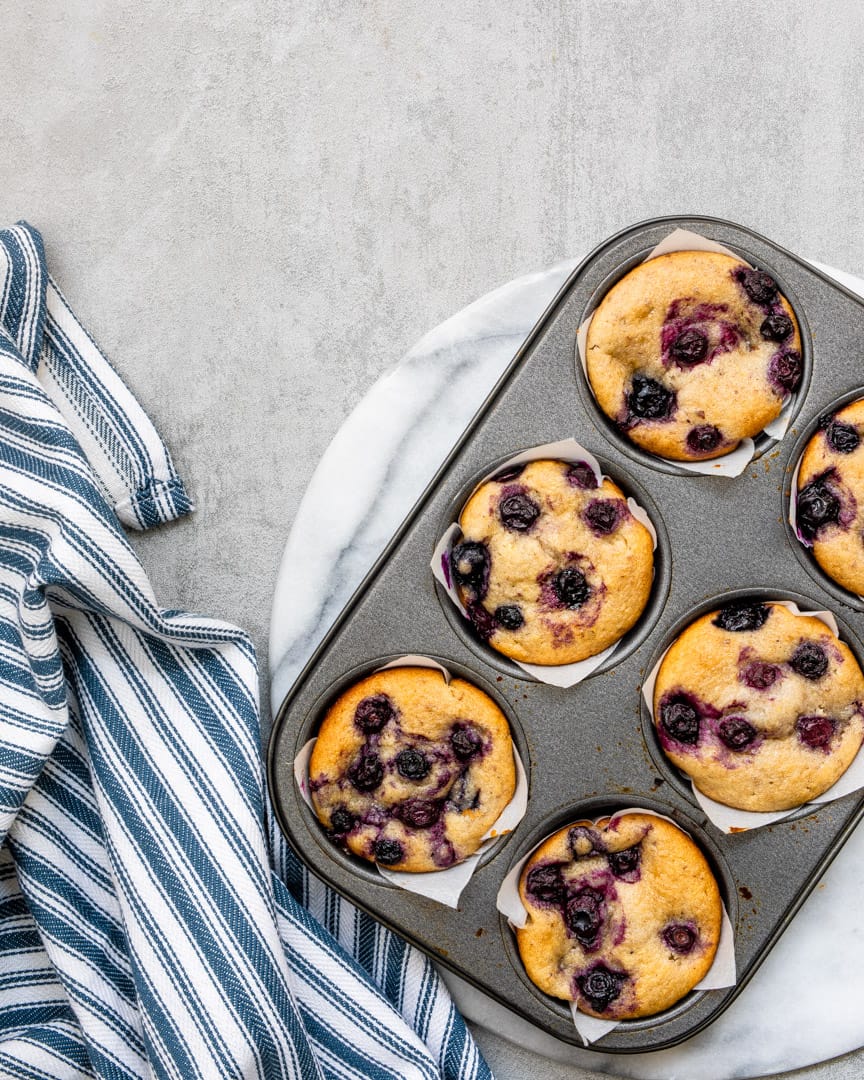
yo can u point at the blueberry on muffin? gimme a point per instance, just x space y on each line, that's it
830 507
409 771
552 568
624 916
691 352
760 707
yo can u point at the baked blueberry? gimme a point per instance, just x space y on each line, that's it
419 813
466 741
388 851
704 438
412 764
679 938
649 400
738 618
604 515
690 347
509 616
483 621
508 473
759 286
584 915
809 660
581 475
601 987
373 713
546 884
815 731
624 863
367 771
470 563
776 327
759 675
842 437
817 506
570 587
518 512
735 732
680 720
784 370
342 821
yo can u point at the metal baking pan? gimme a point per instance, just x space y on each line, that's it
588 749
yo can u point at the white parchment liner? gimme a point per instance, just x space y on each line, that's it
727 818
591 1028
793 516
562 675
444 886
735 462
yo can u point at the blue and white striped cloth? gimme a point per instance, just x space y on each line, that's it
152 920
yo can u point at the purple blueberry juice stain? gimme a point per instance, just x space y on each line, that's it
517 511
815 732
605 515
680 937
581 475
442 850
483 622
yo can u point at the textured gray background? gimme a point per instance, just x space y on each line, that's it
258 206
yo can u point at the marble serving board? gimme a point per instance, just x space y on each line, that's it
379 461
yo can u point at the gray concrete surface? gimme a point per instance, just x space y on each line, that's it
258 206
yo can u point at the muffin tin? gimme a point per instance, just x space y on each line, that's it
585 748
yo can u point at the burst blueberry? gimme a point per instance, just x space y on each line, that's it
600 987
584 916
842 437
704 438
815 731
625 863
388 851
546 884
680 938
367 772
342 821
482 621
466 741
735 732
680 720
689 348
570 587
412 764
470 563
509 616
581 475
419 813
809 660
759 286
509 473
738 618
604 515
649 400
776 327
784 370
518 512
373 713
818 506
759 675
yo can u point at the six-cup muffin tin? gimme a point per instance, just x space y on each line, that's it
591 749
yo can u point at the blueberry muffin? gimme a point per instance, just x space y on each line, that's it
831 496
760 707
552 568
691 352
624 916
410 771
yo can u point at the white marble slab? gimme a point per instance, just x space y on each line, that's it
803 1005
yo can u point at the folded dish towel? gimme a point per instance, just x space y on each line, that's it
147 928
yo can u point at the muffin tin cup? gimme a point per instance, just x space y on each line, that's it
736 461
591 747
442 886
563 675
727 818
591 1028
800 547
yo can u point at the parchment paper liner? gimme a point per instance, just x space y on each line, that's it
444 886
727 818
736 461
562 675
591 1028
793 520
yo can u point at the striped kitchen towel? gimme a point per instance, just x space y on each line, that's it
147 928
